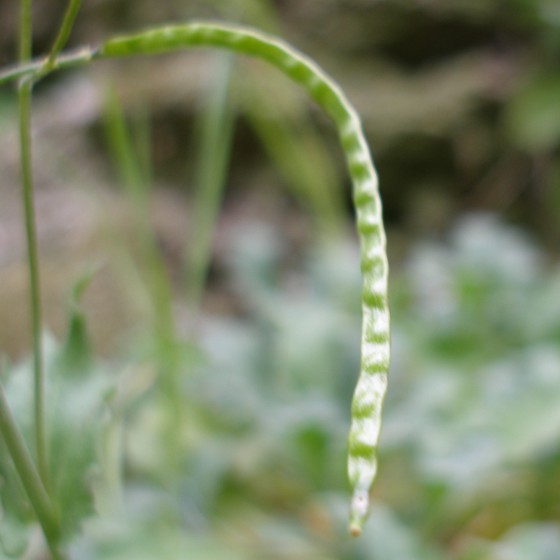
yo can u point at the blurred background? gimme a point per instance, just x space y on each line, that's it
212 200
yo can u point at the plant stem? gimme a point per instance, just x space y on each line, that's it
33 271
36 67
29 476
24 99
35 483
25 30
64 31
215 131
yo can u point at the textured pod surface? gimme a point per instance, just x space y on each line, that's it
372 383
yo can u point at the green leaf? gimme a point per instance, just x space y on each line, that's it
77 396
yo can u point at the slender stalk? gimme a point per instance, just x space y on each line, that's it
34 282
134 168
29 476
37 67
135 174
16 71
25 30
24 99
215 132
64 31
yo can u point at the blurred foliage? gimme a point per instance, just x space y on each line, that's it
479 358
469 457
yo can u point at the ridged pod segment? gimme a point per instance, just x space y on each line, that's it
372 383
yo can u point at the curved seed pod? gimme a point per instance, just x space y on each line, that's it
372 383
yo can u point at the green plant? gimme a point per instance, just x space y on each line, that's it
70 369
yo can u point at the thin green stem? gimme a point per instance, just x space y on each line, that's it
64 31
36 68
25 30
35 483
33 271
133 166
24 100
16 71
131 169
215 132
29 477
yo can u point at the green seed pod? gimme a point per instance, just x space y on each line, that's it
372 383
